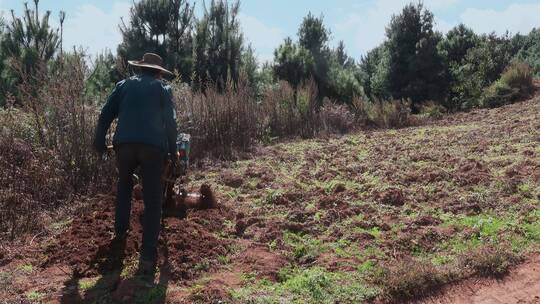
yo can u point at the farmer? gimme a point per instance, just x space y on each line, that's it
145 134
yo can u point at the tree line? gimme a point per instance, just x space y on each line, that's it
414 62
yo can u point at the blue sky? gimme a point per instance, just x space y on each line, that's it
360 24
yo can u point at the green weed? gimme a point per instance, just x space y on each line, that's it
34 296
311 285
86 284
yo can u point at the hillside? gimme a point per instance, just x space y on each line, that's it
375 215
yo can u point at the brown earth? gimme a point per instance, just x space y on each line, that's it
86 246
522 286
376 196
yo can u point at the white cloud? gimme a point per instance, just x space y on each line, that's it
515 18
93 28
262 37
370 24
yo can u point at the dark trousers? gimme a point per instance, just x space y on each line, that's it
150 160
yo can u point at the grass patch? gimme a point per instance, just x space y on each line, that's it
87 284
26 268
34 296
153 295
304 249
311 285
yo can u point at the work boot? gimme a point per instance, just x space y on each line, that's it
146 271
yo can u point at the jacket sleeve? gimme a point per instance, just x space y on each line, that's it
170 121
108 114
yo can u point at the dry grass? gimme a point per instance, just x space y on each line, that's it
223 124
384 114
490 261
409 279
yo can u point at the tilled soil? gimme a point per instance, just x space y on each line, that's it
337 204
86 246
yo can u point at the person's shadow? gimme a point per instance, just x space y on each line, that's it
111 287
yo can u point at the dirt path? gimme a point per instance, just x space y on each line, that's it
522 286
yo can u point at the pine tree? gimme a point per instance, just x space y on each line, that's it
163 27
218 46
416 70
28 44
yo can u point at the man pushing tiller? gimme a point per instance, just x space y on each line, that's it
145 134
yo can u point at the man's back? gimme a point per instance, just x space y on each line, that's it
145 111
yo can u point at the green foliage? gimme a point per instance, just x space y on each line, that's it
304 249
416 70
248 69
334 72
314 37
343 77
27 43
104 75
384 114
457 42
530 51
454 47
432 110
292 63
482 65
515 82
310 285
163 27
374 73
312 34
218 46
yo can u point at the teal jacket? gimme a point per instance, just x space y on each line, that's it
145 111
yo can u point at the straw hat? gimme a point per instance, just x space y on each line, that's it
150 60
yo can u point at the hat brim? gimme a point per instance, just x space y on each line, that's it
152 66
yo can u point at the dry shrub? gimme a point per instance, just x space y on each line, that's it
289 113
223 123
409 279
46 152
518 75
220 123
281 111
337 118
32 183
489 260
432 110
384 114
64 118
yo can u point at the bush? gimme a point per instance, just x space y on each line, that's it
432 110
515 83
32 184
337 118
530 51
409 279
384 114
489 261
220 123
518 75
284 115
64 120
